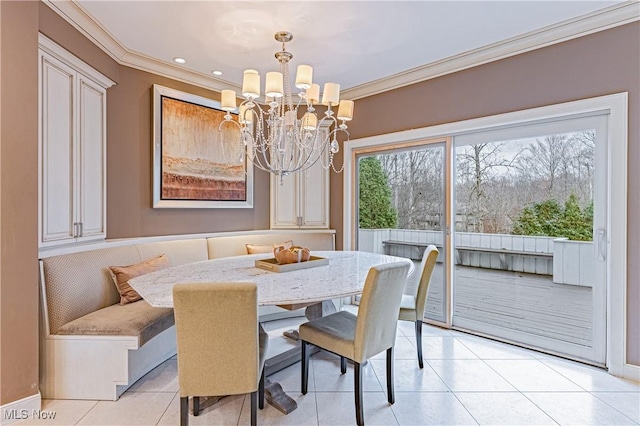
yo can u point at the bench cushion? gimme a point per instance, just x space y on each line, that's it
133 319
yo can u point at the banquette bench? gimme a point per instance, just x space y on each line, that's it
91 347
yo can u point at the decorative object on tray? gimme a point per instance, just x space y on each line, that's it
295 254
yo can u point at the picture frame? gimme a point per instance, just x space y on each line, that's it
191 166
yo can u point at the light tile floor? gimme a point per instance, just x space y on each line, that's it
466 380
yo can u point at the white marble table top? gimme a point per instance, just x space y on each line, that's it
344 276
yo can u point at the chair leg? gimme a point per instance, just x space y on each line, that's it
390 395
305 367
196 405
254 411
184 411
261 390
343 365
419 341
357 371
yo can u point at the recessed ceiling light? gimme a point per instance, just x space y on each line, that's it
216 72
180 60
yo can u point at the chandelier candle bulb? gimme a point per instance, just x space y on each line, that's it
244 116
274 85
331 94
313 93
251 84
289 118
228 101
304 76
345 110
309 121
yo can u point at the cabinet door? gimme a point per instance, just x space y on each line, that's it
56 151
284 201
302 200
314 195
91 160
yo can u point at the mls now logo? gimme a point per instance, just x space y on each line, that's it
15 414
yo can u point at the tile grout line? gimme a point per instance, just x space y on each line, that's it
611 406
315 391
385 387
169 405
88 411
244 398
521 392
587 391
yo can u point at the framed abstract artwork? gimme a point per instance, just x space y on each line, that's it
192 168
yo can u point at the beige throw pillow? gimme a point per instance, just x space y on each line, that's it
122 274
254 249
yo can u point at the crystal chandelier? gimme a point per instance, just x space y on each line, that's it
283 141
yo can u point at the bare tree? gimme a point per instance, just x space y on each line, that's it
416 182
545 160
476 166
584 144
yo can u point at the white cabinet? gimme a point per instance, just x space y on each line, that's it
301 200
72 148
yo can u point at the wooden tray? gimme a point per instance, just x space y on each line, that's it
272 264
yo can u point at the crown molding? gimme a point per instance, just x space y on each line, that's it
610 17
604 19
89 27
147 63
81 20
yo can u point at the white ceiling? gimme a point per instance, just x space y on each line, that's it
353 43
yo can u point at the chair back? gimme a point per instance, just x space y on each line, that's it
426 269
217 338
379 306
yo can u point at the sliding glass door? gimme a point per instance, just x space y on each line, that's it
530 230
401 209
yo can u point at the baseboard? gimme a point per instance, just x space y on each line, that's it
25 408
631 372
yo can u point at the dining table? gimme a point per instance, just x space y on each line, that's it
312 287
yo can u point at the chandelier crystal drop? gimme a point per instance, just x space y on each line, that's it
279 140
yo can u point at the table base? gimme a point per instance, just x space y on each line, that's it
273 392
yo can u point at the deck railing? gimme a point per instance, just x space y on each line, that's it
569 262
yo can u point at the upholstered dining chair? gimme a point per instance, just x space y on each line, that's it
229 358
413 305
360 337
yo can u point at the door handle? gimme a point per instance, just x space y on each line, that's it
602 244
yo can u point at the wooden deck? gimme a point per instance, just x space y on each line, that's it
525 302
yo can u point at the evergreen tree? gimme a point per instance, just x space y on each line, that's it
576 223
549 219
375 209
